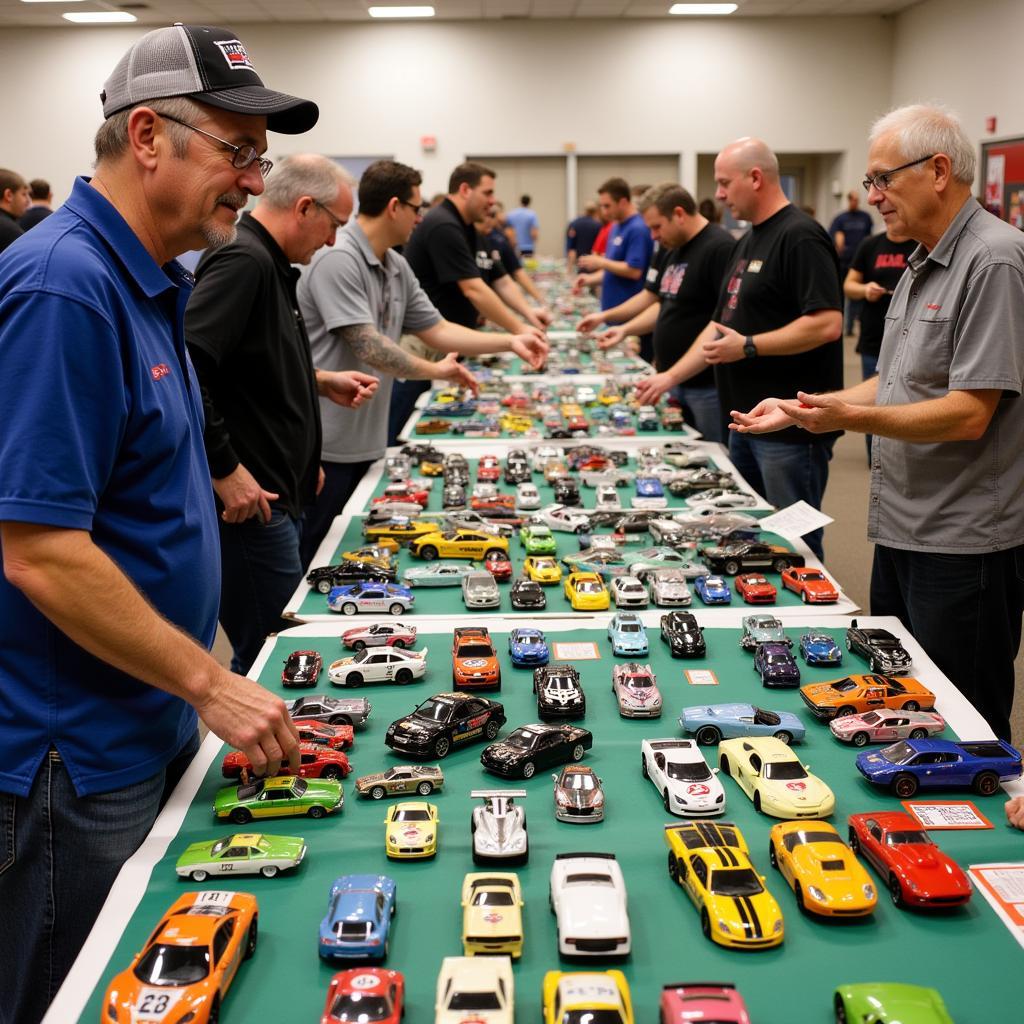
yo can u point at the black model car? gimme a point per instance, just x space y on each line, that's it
637 520
559 692
528 594
749 555
517 471
453 496
456 469
302 668
698 480
685 638
444 721
567 491
530 747
883 652
325 577
422 453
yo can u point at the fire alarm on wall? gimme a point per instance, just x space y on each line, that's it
428 143
990 124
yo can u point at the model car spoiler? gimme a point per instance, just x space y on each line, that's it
577 856
489 793
699 984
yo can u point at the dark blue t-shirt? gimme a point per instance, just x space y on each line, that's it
581 235
856 225
630 241
103 432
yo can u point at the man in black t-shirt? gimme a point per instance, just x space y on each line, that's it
778 324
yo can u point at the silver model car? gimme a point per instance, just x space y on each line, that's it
668 588
318 707
499 827
579 798
479 590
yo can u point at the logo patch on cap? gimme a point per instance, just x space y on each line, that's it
234 54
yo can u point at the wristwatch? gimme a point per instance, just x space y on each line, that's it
749 348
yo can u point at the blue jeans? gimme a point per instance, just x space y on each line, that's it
965 611
851 311
702 410
340 480
59 856
868 368
260 569
784 473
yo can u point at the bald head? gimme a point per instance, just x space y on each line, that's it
747 180
748 154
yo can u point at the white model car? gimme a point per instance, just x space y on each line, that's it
563 518
458 518
479 590
499 827
475 988
669 589
485 490
636 690
588 896
688 787
527 497
720 498
543 455
665 558
379 665
607 498
681 453
398 467
629 592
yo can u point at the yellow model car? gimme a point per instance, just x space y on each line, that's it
681 836
515 423
586 996
410 830
400 532
430 467
586 592
571 409
492 921
457 544
373 554
822 871
542 569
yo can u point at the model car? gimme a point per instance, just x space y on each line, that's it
398 467
712 522
188 964
490 524
488 468
528 647
772 776
886 726
566 520
379 665
721 498
694 480
588 896
278 797
492 920
559 692
592 997
403 491
567 491
606 562
649 493
852 695
712 590
399 779
711 1002
480 590
370 995
683 635
390 512
627 634
474 659
390 634
915 871
399 528
909 765
527 496
882 651
437 574
606 498
315 762
579 798
326 577
461 543
247 853
629 592
813 586
537 539
825 876
330 710
517 471
885 1002
762 629
585 591
357 924
542 569
453 496
745 556
755 589
498 826
495 504
636 691
337 737
678 771
457 408
370 597
443 721
410 830
818 648
776 665
525 594
475 988
665 558
302 668
710 723
530 747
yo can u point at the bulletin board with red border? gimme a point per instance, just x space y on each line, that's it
1002 177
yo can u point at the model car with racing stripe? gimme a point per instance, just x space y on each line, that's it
474 659
315 762
379 634
578 793
357 924
588 896
594 997
683 634
711 723
246 853
775 780
530 747
853 695
498 826
636 690
559 692
370 597
678 771
881 649
318 707
886 726
492 919
444 721
400 779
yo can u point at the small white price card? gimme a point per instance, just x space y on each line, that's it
701 677
575 651
1003 886
954 814
795 520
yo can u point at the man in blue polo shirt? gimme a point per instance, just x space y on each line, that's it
107 522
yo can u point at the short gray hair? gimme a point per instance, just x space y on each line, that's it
112 138
305 174
922 128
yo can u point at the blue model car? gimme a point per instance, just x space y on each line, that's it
358 918
712 590
820 649
776 666
370 597
649 487
627 634
711 723
909 765
450 409
527 647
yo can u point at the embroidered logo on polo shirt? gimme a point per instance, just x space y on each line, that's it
160 370
935 306
755 266
234 54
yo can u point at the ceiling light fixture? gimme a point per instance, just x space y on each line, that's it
401 12
702 9
99 17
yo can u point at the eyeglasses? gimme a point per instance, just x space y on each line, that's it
241 156
881 180
417 208
338 222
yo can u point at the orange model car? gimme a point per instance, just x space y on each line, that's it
187 965
474 660
813 586
853 695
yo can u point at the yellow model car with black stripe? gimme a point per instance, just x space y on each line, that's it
598 996
400 530
586 592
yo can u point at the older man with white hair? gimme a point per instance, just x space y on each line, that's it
947 476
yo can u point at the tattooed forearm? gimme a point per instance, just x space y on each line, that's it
380 352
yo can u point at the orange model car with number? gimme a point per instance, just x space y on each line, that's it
853 695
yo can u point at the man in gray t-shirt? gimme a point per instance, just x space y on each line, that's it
357 299
947 474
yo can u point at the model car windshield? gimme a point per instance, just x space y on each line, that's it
843 685
483 898
475 651
630 627
173 965
871 718
906 836
589 587
735 882
578 780
811 574
762 717
589 878
639 682
784 770
898 753
522 738
434 711
780 658
474 1001
793 839
688 771
354 931
411 814
355 1007
560 683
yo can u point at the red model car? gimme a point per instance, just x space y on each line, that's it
813 586
318 762
302 668
504 502
578 424
404 491
915 870
498 565
690 1003
370 995
595 464
337 737
380 634
488 468
755 589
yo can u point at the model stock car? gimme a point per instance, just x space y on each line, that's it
437 574
585 591
369 995
326 577
480 989
669 589
588 897
678 771
712 590
776 665
559 692
711 723
542 569
492 920
709 1002
461 543
379 665
357 924
882 651
530 747
399 779
755 589
315 762
774 779
302 668
370 597
813 586
331 710
380 634
627 634
443 721
247 853
819 648
761 629
629 592
527 647
595 997
278 797
852 695
527 595
636 691
474 659
685 638
889 1003
188 964
886 726
480 590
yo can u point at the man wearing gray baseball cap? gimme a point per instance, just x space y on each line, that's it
108 531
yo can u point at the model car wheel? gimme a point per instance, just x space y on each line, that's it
673 867
398 643
757 802
731 567
581 529
403 675
844 711
803 596
199 875
786 737
359 645
348 608
396 609
918 734
773 857
904 785
214 1014
377 793
240 816
250 943
269 870
441 746
528 770
316 811
643 767
428 553
332 771
577 752
723 764
707 735
986 783
860 739
840 1010
491 729
324 586
854 841
781 564
425 788
895 890
353 678
911 705
339 720
705 924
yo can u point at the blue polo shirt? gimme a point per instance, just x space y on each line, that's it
103 432
630 241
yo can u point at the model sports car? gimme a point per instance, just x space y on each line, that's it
721 498
755 589
475 988
585 591
498 565
690 482
370 597
606 562
813 586
399 779
437 574
712 590
649 493
380 634
488 468
558 517
370 995
711 723
852 695
527 595
480 590
750 555
774 779
588 896
379 665
453 496
678 771
819 648
474 659
884 1002
318 707
886 726
882 651
530 747
665 558
528 647
591 996
627 634
302 668
498 826
357 924
567 492
542 569
669 589
468 519
710 1002
492 921
527 496
278 797
315 762
559 693
460 543
410 830
762 629
579 798
606 498
247 853
443 721
400 528
403 490
776 665
326 577
685 638
636 691
337 737
629 592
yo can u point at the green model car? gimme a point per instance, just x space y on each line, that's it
279 797
538 540
246 853
882 1002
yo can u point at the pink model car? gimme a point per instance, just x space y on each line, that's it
886 726
691 1002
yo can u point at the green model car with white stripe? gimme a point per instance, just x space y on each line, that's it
245 853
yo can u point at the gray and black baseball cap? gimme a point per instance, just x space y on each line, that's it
206 64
